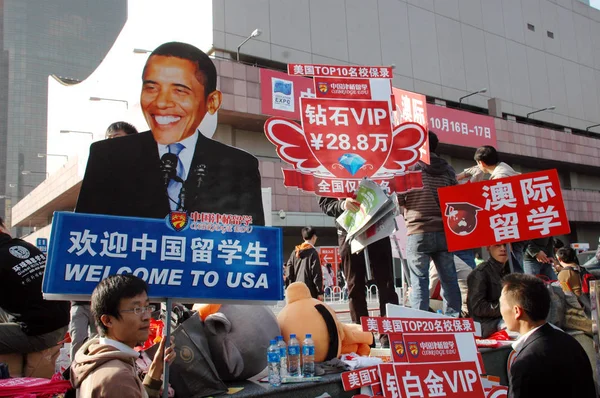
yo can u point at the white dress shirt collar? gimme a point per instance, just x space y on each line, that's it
187 153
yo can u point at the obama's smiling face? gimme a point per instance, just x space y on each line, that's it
173 98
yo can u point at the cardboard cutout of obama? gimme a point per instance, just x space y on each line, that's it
172 167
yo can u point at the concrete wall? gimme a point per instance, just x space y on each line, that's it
442 48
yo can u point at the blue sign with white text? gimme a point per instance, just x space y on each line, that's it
42 244
200 263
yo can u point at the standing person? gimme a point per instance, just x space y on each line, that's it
105 366
28 323
548 362
488 163
172 167
355 271
120 129
478 259
538 258
426 239
327 279
304 264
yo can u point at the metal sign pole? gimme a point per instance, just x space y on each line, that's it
169 305
367 263
510 261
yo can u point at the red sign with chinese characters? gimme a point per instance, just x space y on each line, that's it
344 139
461 128
359 378
389 384
448 379
412 107
341 88
416 325
367 72
280 93
524 207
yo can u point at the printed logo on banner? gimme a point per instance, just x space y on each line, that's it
399 348
519 208
283 94
19 252
413 348
177 220
323 87
462 217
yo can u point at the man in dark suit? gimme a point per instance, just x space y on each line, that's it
355 269
172 167
548 362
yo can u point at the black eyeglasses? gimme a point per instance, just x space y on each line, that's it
141 310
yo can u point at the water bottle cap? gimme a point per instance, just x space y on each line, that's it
279 338
308 336
292 336
273 342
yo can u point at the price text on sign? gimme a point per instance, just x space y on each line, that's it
360 378
416 325
367 72
194 263
449 379
524 207
461 128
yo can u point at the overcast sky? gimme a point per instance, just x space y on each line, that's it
595 3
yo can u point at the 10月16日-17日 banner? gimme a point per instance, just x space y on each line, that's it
216 258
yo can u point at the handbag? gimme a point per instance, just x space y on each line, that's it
193 373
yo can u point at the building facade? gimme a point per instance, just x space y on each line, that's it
39 38
527 54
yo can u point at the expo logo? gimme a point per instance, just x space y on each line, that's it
283 94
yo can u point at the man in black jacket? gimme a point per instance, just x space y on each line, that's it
380 256
548 362
538 258
304 264
28 323
484 287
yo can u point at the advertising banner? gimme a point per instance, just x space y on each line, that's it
208 257
412 107
449 379
347 133
360 378
524 207
280 93
42 244
461 128
330 255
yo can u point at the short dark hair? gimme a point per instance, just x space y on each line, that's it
558 243
107 296
567 255
120 126
433 141
487 154
308 233
206 72
529 293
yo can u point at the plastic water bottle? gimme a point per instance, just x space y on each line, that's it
294 356
308 356
283 368
273 359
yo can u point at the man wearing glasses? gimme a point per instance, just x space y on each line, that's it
105 366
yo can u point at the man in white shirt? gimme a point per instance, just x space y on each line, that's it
548 362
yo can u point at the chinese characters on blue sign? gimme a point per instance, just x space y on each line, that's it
193 264
42 244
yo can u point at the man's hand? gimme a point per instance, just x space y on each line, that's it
541 257
352 205
156 367
320 297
